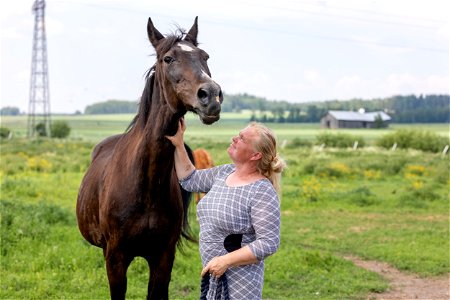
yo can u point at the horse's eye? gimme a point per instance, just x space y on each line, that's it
168 59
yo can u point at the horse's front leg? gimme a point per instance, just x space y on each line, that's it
117 264
160 272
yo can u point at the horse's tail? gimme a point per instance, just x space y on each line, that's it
186 231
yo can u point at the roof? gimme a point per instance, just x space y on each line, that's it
357 116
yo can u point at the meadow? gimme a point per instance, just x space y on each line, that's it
376 204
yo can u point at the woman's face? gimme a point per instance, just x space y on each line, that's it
241 148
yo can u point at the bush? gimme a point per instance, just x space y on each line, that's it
298 142
60 129
339 140
4 132
413 139
333 170
362 196
41 130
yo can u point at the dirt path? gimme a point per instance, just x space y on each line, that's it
405 286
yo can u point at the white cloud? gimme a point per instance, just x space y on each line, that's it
444 31
53 26
12 8
354 86
11 33
437 83
311 76
242 82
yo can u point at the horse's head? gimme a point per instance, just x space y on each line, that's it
183 74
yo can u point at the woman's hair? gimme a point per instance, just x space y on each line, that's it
271 164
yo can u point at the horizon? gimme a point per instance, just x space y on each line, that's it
82 112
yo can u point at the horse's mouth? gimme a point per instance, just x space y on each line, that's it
208 120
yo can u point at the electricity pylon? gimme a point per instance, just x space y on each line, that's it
39 105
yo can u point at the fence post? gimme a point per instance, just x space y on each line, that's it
444 152
355 145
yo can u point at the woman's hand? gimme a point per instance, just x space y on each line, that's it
216 266
177 139
219 264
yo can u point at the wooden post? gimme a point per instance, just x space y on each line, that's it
444 152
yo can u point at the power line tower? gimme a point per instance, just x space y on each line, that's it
39 105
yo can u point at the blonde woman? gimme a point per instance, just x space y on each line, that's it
239 216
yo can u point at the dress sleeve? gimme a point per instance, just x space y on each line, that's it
265 216
203 180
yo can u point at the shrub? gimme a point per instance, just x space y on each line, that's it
362 196
311 189
333 170
60 129
4 132
297 143
413 139
339 140
41 130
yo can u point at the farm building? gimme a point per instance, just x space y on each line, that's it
352 119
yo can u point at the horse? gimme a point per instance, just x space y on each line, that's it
130 203
202 160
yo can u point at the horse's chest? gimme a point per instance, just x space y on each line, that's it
158 222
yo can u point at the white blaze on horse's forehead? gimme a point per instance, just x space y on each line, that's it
205 74
185 47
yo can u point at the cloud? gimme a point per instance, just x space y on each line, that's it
311 76
354 86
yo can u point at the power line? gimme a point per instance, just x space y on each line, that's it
325 37
372 12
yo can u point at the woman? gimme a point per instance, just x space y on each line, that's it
239 216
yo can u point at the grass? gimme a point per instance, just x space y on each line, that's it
376 204
96 127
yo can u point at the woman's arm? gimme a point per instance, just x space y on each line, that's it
183 164
219 264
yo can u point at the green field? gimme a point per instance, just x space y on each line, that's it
390 206
96 127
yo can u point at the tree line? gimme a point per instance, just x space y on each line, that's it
402 109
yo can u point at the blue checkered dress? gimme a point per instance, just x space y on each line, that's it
252 210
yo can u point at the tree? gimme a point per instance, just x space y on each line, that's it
112 107
9 111
378 122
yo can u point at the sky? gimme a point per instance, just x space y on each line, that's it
298 51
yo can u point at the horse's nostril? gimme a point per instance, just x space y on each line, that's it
203 96
221 96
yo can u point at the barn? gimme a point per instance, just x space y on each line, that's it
352 119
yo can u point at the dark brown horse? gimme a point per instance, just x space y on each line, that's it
130 203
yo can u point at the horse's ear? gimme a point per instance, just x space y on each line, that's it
192 34
153 34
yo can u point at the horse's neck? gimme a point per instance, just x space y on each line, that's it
154 148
